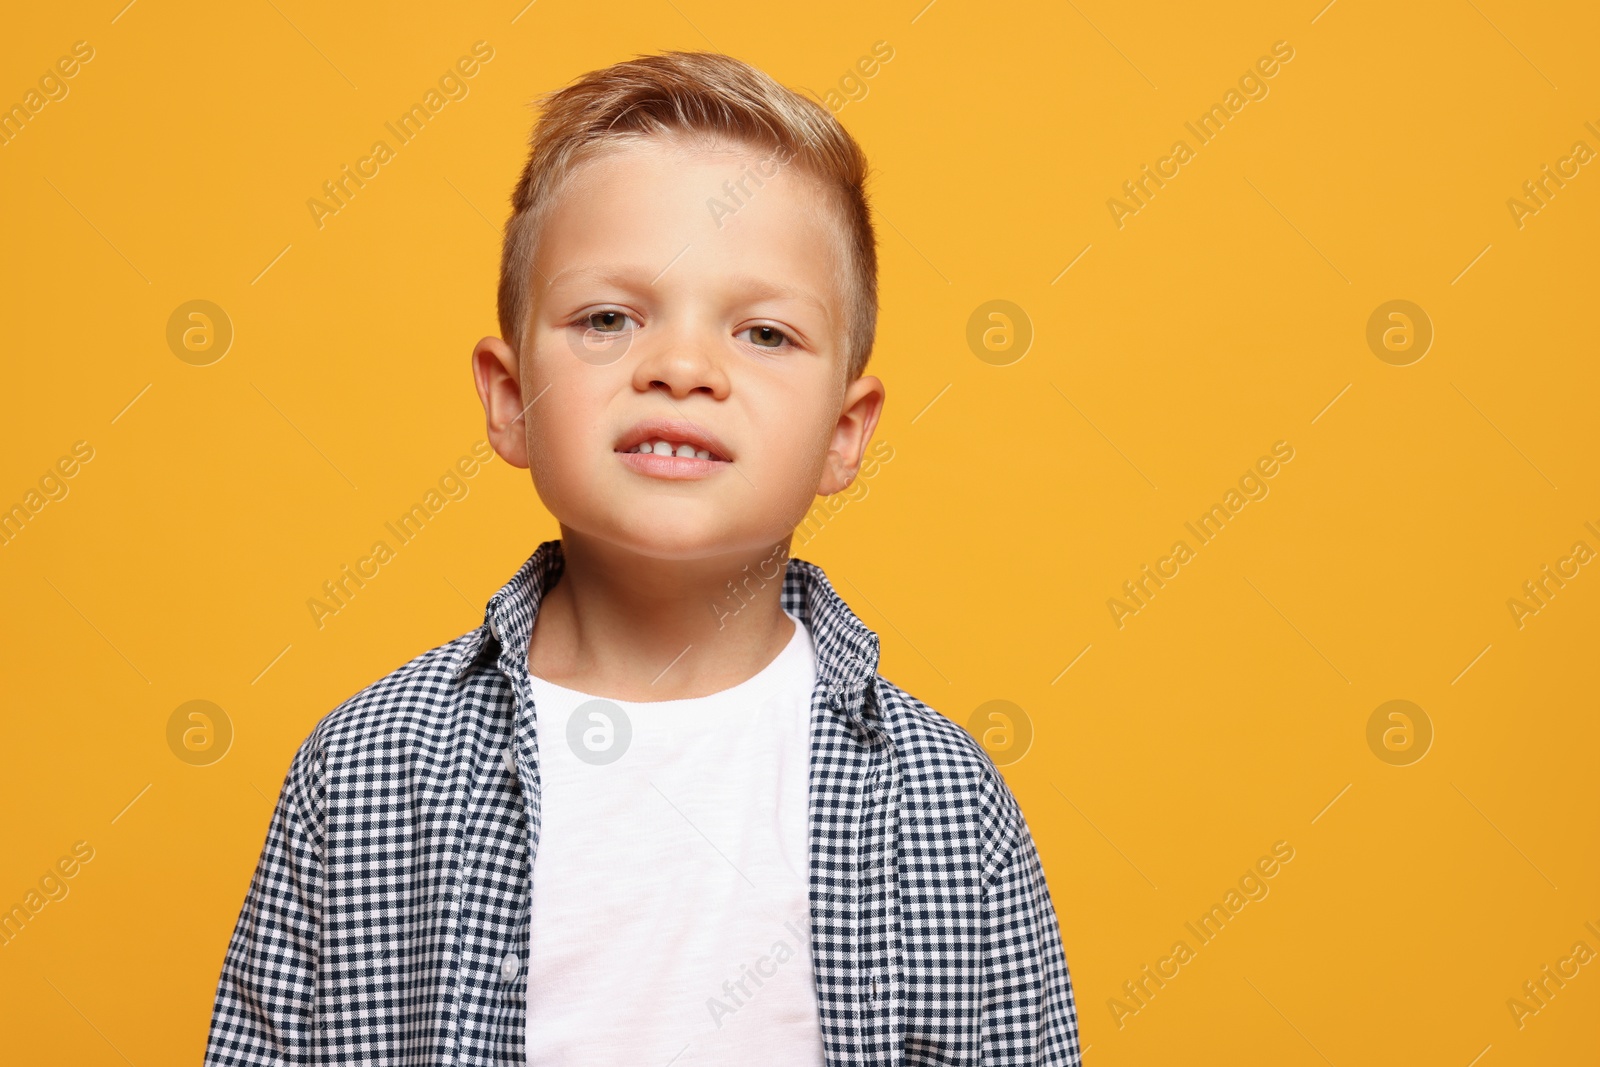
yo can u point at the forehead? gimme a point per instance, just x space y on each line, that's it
696 209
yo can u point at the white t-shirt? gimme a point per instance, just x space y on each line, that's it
670 891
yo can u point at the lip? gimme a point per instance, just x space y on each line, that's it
674 430
671 468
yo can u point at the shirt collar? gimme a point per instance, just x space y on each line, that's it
847 650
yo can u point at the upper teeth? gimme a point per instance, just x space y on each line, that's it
668 448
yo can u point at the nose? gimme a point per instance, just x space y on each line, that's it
685 362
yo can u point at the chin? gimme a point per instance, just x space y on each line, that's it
686 538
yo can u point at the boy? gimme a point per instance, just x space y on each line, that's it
660 808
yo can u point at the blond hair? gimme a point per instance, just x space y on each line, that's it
703 95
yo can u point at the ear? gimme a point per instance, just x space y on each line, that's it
495 371
863 403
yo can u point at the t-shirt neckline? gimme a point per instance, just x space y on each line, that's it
796 655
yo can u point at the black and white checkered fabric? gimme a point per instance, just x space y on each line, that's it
388 919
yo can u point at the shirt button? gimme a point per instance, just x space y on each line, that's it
511 761
510 966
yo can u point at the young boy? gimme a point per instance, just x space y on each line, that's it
660 808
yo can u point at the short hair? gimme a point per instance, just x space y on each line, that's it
701 95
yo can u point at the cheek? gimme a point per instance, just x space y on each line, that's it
563 424
798 467
796 444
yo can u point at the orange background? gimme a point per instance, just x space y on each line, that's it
1228 313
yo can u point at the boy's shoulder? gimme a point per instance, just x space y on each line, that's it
946 773
929 737
412 703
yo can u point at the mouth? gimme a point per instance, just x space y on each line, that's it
672 449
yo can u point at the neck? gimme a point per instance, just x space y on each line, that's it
632 627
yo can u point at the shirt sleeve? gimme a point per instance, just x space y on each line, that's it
1028 1016
264 1010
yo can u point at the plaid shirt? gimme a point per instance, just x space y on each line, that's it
388 918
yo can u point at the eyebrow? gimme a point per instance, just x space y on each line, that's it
629 277
758 289
626 277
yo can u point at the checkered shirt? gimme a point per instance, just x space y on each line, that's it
387 922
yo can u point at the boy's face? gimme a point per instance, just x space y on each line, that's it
673 303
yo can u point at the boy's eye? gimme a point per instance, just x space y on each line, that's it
767 336
607 321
